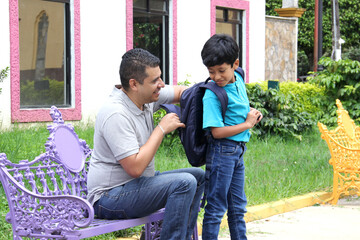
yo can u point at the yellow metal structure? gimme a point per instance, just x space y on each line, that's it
344 146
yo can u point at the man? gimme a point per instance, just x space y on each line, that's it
122 181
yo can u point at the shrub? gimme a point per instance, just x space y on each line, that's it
303 66
310 97
340 80
3 74
282 114
351 53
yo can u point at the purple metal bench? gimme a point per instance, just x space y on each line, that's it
47 196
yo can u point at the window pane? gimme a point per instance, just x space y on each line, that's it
220 14
234 15
227 28
140 4
150 32
42 40
229 21
158 5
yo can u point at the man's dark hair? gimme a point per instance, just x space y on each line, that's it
220 49
133 66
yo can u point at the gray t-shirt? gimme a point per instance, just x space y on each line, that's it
121 128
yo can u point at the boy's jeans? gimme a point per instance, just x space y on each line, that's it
179 191
225 174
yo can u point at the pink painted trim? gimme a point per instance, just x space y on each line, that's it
39 115
129 25
175 42
243 5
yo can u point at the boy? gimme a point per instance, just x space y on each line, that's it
225 170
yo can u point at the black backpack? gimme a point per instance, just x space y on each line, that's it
193 137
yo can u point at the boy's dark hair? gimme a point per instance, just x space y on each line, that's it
133 66
220 49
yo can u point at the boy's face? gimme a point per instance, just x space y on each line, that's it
223 74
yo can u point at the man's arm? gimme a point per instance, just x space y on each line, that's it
178 90
136 164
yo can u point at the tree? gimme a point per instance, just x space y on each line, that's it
349 12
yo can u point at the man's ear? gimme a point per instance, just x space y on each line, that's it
133 84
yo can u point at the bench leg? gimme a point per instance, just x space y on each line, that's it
195 233
153 230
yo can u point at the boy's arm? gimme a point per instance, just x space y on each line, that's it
253 117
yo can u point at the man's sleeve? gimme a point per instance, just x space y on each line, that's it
166 96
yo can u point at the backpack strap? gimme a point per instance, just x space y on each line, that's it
171 108
241 72
220 93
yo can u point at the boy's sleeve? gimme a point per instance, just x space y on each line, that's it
212 116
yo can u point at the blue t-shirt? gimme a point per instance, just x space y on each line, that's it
237 109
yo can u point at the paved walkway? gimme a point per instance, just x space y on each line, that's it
309 223
300 218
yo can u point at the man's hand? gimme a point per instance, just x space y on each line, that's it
170 122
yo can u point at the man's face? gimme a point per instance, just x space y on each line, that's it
150 90
223 74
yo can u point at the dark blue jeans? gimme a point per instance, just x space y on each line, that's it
225 174
179 191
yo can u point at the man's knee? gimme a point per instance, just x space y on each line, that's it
185 182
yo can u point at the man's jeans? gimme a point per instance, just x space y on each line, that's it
179 191
225 174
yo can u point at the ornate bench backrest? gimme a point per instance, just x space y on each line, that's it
345 137
61 170
347 126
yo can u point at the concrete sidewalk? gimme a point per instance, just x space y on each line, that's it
305 217
314 222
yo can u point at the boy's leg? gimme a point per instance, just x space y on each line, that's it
237 202
219 170
145 195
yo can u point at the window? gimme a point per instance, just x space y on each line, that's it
229 21
151 30
44 42
51 55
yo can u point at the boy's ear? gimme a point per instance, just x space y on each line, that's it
236 64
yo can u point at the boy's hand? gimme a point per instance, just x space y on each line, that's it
253 117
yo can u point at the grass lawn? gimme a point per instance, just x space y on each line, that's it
276 168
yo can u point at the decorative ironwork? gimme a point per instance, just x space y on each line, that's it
344 146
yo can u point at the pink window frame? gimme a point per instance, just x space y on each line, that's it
39 115
241 5
129 32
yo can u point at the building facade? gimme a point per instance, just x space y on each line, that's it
67 53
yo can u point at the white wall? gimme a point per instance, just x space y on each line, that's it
5 62
194 30
193 25
103 42
257 41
